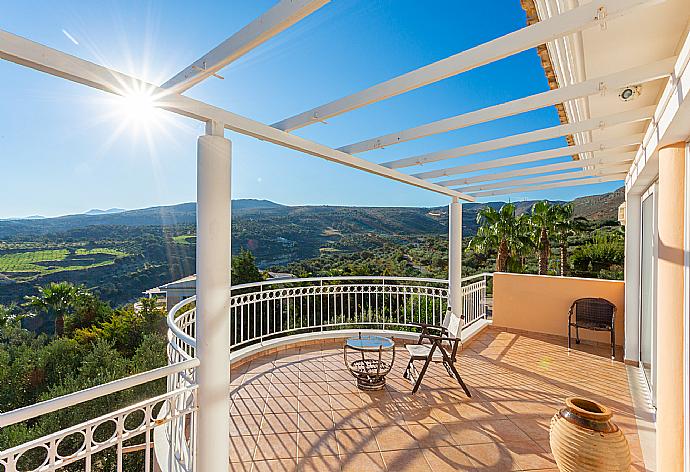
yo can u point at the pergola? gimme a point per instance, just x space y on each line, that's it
594 160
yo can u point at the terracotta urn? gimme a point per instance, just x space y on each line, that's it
583 438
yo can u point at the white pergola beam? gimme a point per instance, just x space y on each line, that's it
280 17
547 178
567 183
628 116
603 145
522 105
37 56
571 21
599 162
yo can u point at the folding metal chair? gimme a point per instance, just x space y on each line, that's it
440 347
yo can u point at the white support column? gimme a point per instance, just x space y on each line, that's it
633 234
213 299
455 256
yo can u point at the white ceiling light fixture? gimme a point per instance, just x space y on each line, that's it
630 93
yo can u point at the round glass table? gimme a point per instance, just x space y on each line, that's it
368 365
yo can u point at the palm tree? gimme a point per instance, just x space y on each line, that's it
503 231
566 225
543 218
56 297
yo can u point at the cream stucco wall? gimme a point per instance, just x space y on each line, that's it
540 303
669 322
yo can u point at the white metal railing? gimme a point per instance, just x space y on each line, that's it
121 440
273 308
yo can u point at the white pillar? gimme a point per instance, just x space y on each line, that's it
213 299
633 234
455 256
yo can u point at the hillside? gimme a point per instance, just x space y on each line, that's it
600 207
122 253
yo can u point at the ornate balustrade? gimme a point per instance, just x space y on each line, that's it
126 439
266 310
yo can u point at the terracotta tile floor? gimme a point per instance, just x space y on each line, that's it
300 409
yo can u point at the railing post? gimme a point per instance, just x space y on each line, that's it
321 290
261 314
455 257
484 313
213 298
383 303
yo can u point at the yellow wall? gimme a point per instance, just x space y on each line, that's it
540 303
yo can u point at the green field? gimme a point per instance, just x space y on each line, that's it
49 261
185 239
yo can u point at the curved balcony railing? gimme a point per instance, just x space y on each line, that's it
122 440
259 312
274 308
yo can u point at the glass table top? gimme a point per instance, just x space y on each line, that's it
370 342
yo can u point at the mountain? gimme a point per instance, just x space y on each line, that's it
182 214
123 253
30 217
389 220
254 204
110 211
600 207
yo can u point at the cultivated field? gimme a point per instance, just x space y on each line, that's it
39 262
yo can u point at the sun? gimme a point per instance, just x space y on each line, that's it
138 108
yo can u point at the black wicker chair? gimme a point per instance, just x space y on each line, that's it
597 314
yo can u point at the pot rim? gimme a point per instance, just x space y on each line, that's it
589 409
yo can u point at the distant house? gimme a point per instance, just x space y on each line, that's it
174 292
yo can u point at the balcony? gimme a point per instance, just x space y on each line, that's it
294 406
298 408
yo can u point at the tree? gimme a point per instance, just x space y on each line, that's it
9 317
244 269
56 297
503 231
88 310
543 218
566 225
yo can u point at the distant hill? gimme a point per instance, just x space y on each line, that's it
110 211
600 207
122 253
182 214
253 204
389 220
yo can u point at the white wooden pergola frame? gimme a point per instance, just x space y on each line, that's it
288 12
607 160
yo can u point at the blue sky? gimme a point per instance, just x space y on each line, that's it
66 148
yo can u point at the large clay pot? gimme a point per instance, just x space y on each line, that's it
583 438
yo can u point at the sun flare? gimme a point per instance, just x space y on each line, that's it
138 108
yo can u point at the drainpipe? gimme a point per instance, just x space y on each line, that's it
213 299
455 256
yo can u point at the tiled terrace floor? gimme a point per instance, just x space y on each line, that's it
300 410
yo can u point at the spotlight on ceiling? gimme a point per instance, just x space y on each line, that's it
629 93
